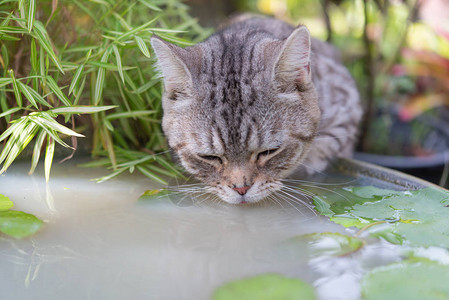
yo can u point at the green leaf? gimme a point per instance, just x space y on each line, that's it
23 88
49 153
142 46
137 29
329 243
18 224
119 62
5 203
10 111
409 280
76 78
44 41
265 287
47 121
33 56
17 143
417 217
57 91
37 150
151 175
130 114
154 194
82 109
15 86
31 13
150 5
99 82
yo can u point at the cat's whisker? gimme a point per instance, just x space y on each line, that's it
291 180
271 197
299 190
288 200
288 196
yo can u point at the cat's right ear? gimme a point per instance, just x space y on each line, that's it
172 62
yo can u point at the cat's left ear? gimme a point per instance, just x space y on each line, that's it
177 65
292 67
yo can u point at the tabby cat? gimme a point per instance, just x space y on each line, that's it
254 102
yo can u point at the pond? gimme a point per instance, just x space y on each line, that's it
99 241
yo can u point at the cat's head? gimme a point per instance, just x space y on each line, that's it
239 114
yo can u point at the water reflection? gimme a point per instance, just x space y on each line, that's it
100 242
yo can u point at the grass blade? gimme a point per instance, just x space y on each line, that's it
76 78
15 87
49 153
40 33
31 14
130 114
37 150
119 62
142 46
99 83
82 109
57 91
23 88
150 175
49 122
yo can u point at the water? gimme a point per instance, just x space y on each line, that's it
100 242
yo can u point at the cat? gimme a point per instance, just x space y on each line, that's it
254 102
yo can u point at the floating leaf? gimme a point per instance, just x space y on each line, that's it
265 287
154 194
416 217
407 280
5 203
329 243
18 224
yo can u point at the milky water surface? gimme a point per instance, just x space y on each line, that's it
100 242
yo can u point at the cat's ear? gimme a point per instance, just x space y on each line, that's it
173 62
292 66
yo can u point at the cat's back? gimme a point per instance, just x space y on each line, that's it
249 28
338 97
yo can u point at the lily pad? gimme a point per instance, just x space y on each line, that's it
407 280
5 203
265 287
418 218
18 224
331 243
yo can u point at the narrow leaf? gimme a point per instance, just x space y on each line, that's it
130 114
24 90
41 35
49 157
76 78
17 93
142 46
150 175
31 14
119 62
99 83
37 150
82 109
57 91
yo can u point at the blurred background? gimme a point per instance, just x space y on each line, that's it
62 54
398 52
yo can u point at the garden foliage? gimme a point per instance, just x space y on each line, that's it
62 59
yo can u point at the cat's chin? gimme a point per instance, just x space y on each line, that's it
256 193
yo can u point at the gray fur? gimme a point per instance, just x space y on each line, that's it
256 85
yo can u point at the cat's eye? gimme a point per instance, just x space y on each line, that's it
212 158
266 153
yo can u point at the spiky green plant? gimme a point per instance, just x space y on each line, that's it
61 59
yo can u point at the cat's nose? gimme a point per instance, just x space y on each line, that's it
241 190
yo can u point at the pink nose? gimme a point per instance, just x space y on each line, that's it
241 190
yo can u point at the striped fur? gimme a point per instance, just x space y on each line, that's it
254 86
